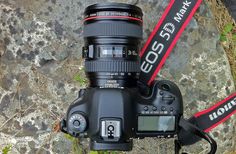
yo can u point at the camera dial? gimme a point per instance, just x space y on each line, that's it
77 123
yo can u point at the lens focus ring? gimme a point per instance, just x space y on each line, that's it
117 28
112 66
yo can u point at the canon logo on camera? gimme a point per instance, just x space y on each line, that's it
222 110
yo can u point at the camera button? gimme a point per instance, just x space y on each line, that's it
76 123
161 92
145 108
163 108
168 99
91 51
154 108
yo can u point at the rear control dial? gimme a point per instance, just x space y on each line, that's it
77 123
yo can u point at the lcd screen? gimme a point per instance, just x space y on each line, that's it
156 123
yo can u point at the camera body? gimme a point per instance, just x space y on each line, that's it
117 107
112 117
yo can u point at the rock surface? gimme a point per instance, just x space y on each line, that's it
40 56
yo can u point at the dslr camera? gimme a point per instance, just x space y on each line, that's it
117 107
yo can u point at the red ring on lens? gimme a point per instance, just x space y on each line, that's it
110 17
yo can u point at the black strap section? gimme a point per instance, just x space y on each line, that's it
177 147
187 138
209 118
194 130
164 36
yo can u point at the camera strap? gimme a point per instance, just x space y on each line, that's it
194 130
164 37
155 52
208 119
215 115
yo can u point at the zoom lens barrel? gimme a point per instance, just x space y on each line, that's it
112 35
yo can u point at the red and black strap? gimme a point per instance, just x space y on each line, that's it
154 54
215 115
210 118
164 37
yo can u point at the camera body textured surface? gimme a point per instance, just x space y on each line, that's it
112 117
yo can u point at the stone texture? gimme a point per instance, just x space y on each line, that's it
40 54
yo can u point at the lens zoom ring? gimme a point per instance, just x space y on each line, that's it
112 66
113 29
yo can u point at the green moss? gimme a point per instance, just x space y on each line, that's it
76 149
227 32
6 149
79 78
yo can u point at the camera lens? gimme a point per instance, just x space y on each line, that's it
112 35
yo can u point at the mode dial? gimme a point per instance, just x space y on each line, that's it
77 123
